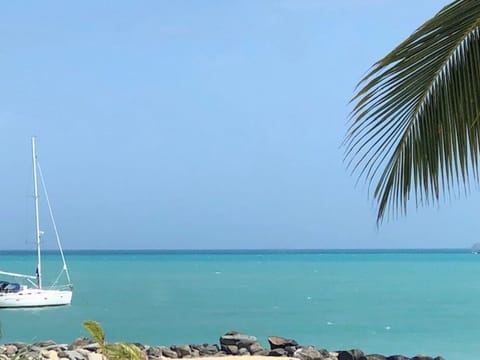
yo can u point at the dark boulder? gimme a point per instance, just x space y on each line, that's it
206 349
142 347
397 357
168 353
277 352
93 347
182 350
277 342
235 338
353 354
422 357
230 349
290 350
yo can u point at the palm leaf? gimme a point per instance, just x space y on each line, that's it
95 329
123 351
115 351
415 127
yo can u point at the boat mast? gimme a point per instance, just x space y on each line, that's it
37 218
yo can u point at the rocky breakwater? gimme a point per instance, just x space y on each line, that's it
232 343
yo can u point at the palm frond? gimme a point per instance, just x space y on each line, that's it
115 351
415 126
95 329
123 351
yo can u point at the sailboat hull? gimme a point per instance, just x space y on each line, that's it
35 298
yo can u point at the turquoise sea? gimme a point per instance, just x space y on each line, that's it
389 302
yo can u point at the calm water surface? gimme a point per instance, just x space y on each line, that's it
405 302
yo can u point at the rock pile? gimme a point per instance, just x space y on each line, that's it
232 343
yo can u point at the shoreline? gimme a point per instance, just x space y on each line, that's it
231 345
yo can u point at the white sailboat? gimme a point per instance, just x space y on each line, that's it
16 295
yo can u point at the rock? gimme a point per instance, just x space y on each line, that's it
422 357
50 354
308 353
154 352
263 352
327 354
232 332
195 353
141 346
255 348
57 347
79 342
230 349
235 338
353 354
93 347
397 357
11 350
243 351
290 350
44 344
182 350
21 345
280 342
246 341
220 354
277 352
72 355
205 349
169 353
35 348
83 352
209 350
439 358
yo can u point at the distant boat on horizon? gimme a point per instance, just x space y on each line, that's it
17 295
476 248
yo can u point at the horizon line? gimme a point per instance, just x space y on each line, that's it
247 249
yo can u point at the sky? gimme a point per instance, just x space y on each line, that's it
201 124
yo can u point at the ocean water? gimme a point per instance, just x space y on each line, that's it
405 302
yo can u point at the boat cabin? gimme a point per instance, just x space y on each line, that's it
8 287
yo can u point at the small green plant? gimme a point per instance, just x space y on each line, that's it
24 354
114 351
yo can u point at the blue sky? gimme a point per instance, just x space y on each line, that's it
200 124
